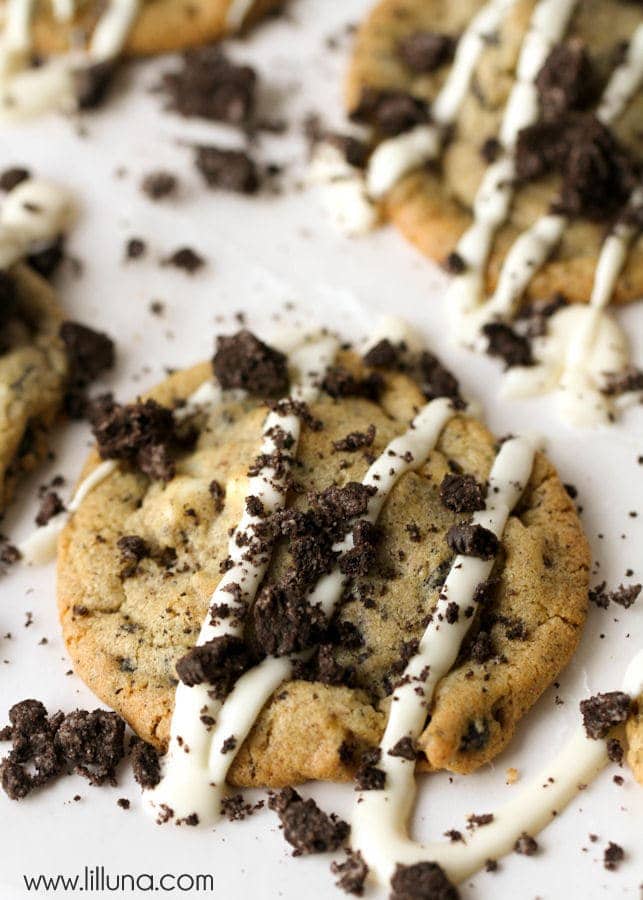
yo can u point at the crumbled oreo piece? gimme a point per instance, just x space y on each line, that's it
11 178
210 86
92 743
355 440
361 557
229 170
354 151
159 184
504 342
92 83
615 750
9 554
133 549
306 826
140 433
479 820
235 809
46 260
405 748
383 355
352 873
613 855
437 381
597 173
603 712
475 737
526 845
390 111
426 51
626 596
455 264
185 258
284 622
244 362
473 540
339 382
368 777
135 248
462 493
491 149
89 354
567 80
625 382
34 758
422 881
50 506
218 663
145 764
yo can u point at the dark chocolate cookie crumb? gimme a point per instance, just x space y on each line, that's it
123 802
142 434
51 505
615 750
306 826
504 342
626 596
219 663
355 440
618 383
437 381
338 382
92 83
614 854
479 821
185 258
235 809
368 777
473 540
455 264
160 184
244 362
390 111
526 845
145 764
603 712
405 748
228 170
92 743
11 178
426 51
284 621
383 355
462 493
423 881
210 86
352 873
354 151
89 354
566 80
135 248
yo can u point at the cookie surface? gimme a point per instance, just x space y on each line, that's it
126 632
432 206
634 732
161 25
33 373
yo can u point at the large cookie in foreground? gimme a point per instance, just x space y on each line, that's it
432 205
127 621
160 27
33 372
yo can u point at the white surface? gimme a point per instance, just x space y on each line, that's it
265 253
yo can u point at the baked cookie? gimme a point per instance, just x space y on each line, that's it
404 53
634 732
33 372
159 26
142 555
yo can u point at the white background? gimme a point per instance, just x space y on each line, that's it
264 254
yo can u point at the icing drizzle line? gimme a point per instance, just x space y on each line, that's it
379 816
194 782
34 211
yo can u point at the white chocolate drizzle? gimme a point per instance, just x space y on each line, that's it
28 91
192 782
399 155
35 211
40 546
342 191
195 781
379 816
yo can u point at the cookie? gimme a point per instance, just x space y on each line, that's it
33 373
141 557
159 27
405 48
634 732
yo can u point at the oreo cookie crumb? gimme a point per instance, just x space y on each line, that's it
229 170
339 382
306 826
613 856
526 845
355 440
405 748
51 505
145 764
135 248
426 51
210 86
235 809
390 111
11 178
422 881
242 361
473 540
504 342
218 663
160 184
89 354
462 493
92 743
91 83
368 777
603 712
352 873
382 355
567 79
185 258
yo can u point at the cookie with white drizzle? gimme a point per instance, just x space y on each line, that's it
79 43
432 202
131 609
